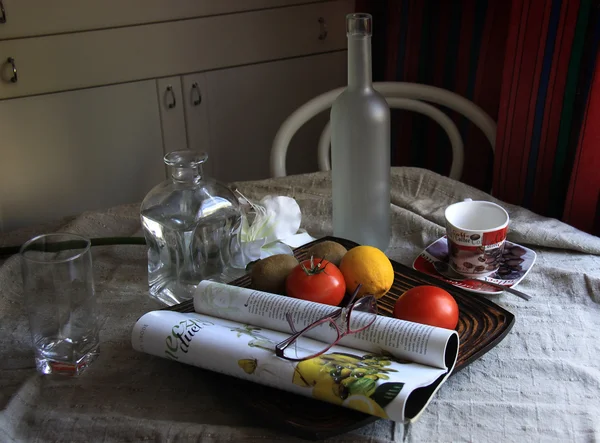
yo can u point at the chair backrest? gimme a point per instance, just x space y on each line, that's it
400 95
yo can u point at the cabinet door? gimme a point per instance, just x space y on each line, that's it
171 114
195 105
25 18
247 105
70 61
74 151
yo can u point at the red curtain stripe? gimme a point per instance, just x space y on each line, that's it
554 104
584 188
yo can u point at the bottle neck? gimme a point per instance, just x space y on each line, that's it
188 175
359 62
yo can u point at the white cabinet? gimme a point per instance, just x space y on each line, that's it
105 89
171 113
74 151
195 105
62 62
234 114
247 105
25 18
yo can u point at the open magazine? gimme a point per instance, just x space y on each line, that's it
391 369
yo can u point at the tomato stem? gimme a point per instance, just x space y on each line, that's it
314 268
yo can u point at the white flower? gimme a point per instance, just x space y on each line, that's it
274 220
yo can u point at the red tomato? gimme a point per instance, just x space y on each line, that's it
429 305
316 280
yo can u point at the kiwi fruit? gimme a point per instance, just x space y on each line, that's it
269 274
329 250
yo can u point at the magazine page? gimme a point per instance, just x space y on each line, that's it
402 339
374 384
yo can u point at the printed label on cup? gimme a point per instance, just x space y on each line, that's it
476 232
488 239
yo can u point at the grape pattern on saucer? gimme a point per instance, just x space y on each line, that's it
514 261
511 262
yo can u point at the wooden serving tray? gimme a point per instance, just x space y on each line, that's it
481 326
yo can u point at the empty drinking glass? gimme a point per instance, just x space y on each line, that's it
61 303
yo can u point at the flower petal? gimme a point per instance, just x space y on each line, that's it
286 215
243 253
263 225
275 248
299 239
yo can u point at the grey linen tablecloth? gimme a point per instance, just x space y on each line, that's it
542 383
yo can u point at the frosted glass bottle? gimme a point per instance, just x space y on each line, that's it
360 147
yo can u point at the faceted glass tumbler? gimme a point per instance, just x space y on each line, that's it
59 296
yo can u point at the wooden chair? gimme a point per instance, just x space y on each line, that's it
399 95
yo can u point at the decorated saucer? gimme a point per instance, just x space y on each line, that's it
515 264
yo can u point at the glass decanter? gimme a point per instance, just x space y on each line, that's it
188 224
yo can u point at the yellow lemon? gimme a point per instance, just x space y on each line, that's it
370 267
364 404
327 390
248 365
310 372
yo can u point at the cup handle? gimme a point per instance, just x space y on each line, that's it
468 200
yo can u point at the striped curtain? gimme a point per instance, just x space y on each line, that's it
547 147
531 65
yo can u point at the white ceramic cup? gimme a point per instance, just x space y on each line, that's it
476 232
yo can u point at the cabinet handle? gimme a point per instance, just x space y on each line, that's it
323 32
196 95
2 13
170 94
14 77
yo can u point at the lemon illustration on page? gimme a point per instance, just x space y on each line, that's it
248 365
353 381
